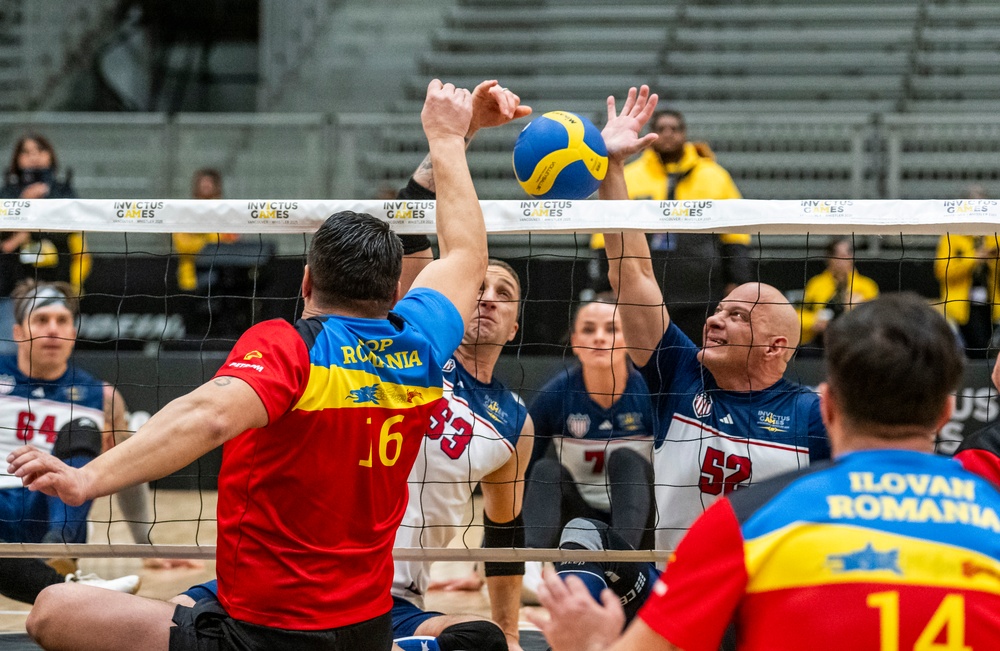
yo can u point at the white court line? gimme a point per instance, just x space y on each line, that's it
14 612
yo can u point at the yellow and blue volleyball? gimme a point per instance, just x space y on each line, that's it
560 155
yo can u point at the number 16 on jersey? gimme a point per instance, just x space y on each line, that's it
386 438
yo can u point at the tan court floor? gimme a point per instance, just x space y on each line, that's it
185 517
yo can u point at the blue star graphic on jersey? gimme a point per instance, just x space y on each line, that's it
865 560
365 394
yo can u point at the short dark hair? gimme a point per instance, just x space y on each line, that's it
893 361
355 261
43 143
29 295
672 113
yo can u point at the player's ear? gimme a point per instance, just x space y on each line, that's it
307 285
19 333
513 331
946 413
827 405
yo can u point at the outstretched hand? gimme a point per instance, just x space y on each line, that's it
621 133
576 622
40 471
447 110
494 106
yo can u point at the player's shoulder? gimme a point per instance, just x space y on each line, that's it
747 502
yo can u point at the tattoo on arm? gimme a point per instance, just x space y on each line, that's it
222 381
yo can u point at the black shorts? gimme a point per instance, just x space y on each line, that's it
206 627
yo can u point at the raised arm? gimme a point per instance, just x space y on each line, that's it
461 232
630 271
177 435
492 106
503 496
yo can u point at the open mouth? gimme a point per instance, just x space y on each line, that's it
713 341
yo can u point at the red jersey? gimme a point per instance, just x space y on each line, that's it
881 550
309 505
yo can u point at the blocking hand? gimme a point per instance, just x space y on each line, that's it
621 133
447 111
493 106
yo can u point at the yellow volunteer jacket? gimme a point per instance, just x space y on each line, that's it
187 246
821 288
954 266
700 178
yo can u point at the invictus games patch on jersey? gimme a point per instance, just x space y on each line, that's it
772 422
578 425
702 404
76 393
630 421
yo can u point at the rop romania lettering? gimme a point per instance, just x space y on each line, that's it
373 351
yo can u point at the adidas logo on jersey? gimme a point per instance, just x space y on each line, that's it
606 425
727 419
38 393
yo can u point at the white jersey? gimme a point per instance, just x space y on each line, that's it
34 411
711 442
473 433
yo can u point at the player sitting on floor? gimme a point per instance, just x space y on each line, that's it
49 403
725 416
599 419
480 434
319 435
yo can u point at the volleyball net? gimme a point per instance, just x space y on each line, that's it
140 331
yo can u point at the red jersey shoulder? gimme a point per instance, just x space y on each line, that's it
273 358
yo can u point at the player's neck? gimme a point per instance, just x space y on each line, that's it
744 380
605 385
40 371
479 360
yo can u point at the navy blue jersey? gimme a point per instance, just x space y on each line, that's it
33 411
584 432
709 441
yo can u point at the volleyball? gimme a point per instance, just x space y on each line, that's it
560 155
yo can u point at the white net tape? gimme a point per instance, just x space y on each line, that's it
974 217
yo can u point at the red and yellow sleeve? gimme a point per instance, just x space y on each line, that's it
696 598
272 358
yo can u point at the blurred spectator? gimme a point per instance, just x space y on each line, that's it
832 292
206 184
695 270
966 270
11 272
32 174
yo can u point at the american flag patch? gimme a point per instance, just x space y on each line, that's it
578 425
702 405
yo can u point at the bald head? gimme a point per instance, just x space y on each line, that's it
751 337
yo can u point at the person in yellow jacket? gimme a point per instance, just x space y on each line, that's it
829 294
966 270
206 184
695 269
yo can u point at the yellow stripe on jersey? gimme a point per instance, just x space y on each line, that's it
337 388
793 557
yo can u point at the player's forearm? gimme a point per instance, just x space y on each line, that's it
460 226
505 602
177 435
